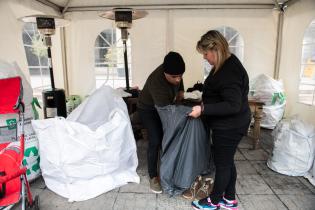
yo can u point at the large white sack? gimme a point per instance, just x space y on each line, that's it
294 148
92 154
271 92
94 111
311 174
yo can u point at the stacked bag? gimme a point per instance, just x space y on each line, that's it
271 92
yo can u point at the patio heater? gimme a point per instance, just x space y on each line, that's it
123 18
54 99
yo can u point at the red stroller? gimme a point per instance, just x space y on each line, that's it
12 173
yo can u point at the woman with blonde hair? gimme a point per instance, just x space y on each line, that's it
226 112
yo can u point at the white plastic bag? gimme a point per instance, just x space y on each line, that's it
196 95
271 115
294 148
271 92
92 152
267 90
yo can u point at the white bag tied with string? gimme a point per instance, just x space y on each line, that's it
294 148
92 151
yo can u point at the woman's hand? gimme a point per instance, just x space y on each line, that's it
196 112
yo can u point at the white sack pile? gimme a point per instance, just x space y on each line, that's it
92 151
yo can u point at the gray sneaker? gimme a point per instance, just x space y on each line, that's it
155 185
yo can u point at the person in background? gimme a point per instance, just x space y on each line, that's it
227 113
163 87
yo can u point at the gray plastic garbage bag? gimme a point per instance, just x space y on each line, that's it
185 149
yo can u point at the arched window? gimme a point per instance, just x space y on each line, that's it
109 59
307 73
37 60
236 45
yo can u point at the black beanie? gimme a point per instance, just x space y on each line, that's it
173 64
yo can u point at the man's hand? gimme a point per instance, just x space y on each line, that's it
179 97
196 112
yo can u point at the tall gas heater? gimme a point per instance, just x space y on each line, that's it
123 18
54 99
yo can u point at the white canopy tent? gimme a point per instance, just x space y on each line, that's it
272 34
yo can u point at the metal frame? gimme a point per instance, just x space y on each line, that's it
64 10
50 4
175 7
68 8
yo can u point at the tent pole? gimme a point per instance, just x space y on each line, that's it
64 60
278 44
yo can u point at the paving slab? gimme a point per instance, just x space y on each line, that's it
103 202
239 156
252 184
306 202
142 168
51 201
245 168
257 154
135 201
240 204
282 184
37 186
261 202
246 143
262 168
165 202
38 183
307 184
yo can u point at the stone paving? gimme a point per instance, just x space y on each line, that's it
258 187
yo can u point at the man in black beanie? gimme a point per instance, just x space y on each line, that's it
163 87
